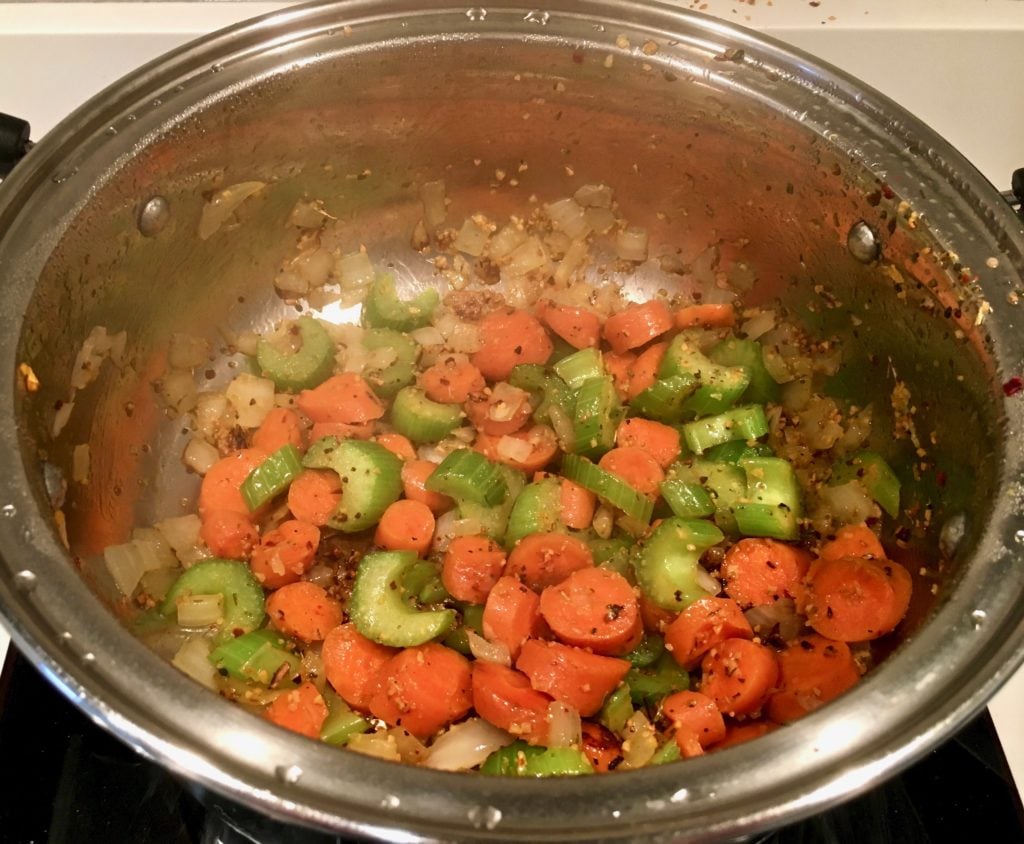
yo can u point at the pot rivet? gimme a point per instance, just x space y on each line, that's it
154 216
390 802
978 617
863 243
290 774
66 637
9 511
476 14
680 796
25 580
487 817
1018 537
88 657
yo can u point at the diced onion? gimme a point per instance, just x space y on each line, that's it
247 342
179 391
506 401
473 236
848 503
781 613
707 582
252 398
600 220
567 216
564 726
126 565
96 348
209 414
759 324
223 204
380 745
466 745
154 549
639 742
594 196
485 651
563 427
507 239
776 366
631 244
451 524
80 463
181 533
435 207
527 257
61 417
427 336
604 521
355 270
307 215
187 352
200 456
514 449
193 659
157 583
410 748
574 259
796 394
200 610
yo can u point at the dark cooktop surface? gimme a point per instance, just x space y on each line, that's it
62 779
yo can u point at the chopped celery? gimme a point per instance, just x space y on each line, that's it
597 415
422 584
726 485
684 494
613 554
422 420
875 475
383 308
735 451
771 506
467 475
580 367
272 476
472 619
560 348
666 561
650 685
720 386
748 354
371 479
650 648
388 380
303 369
243 595
668 752
608 487
740 423
378 607
342 722
552 389
257 656
494 520
537 509
520 759
665 400
616 710
528 376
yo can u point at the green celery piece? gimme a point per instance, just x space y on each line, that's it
745 424
608 487
649 686
613 554
422 420
560 348
598 413
616 710
401 372
422 584
378 607
528 376
256 657
468 476
874 474
494 520
383 308
666 399
551 389
771 506
684 494
243 595
580 367
341 723
273 476
668 752
371 479
304 369
735 451
727 487
651 647
666 561
537 509
472 619
520 759
750 355
720 386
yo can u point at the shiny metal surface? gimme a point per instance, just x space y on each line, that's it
712 137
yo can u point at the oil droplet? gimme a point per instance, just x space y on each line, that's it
487 817
978 618
66 637
680 796
1018 537
25 580
476 14
9 511
153 216
216 68
538 17
290 774
111 130
88 657
616 813
390 802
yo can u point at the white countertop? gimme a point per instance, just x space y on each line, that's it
952 63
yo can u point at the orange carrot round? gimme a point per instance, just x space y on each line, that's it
545 559
345 397
853 541
406 525
414 485
472 565
281 427
342 430
511 614
637 325
285 553
594 608
812 671
499 412
314 496
601 747
353 664
644 371
423 689
744 732
579 327
762 571
541 439
229 534
221 486
620 367
697 713
853 599
708 316
688 743
575 677
304 611
504 697
658 440
301 710
636 467
398 445
452 380
738 675
656 619
507 338
577 505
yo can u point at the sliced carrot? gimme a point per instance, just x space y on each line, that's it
579 327
279 428
472 565
575 677
853 599
688 743
637 325
644 371
314 495
702 625
601 747
221 487
545 559
423 688
342 430
620 367
507 338
229 534
853 541
398 445
304 610
452 380
345 397
577 505
812 671
301 710
697 713
761 571
655 618
709 316
353 664
406 525
511 614
543 448
594 608
636 467
414 484
744 732
659 440
504 697
738 675
503 410
285 553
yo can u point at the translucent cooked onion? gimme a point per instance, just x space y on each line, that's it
181 532
562 425
193 659
604 521
61 418
187 352
707 582
594 196
251 397
307 215
568 216
640 741
178 390
410 748
355 270
473 236
210 412
380 745
600 220
247 342
776 365
781 614
759 324
466 745
80 459
427 336
796 394
128 561
846 504
564 726
223 204
485 651
200 610
200 456
514 449
527 257
631 244
451 524
506 401
575 259
435 206
508 238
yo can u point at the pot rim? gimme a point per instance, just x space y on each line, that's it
904 708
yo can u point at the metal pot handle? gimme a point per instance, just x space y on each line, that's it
14 142
1015 195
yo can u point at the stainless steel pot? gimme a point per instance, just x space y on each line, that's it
710 135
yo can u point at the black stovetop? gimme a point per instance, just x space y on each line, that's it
62 779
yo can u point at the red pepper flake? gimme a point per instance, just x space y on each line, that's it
887 191
940 478
1013 386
